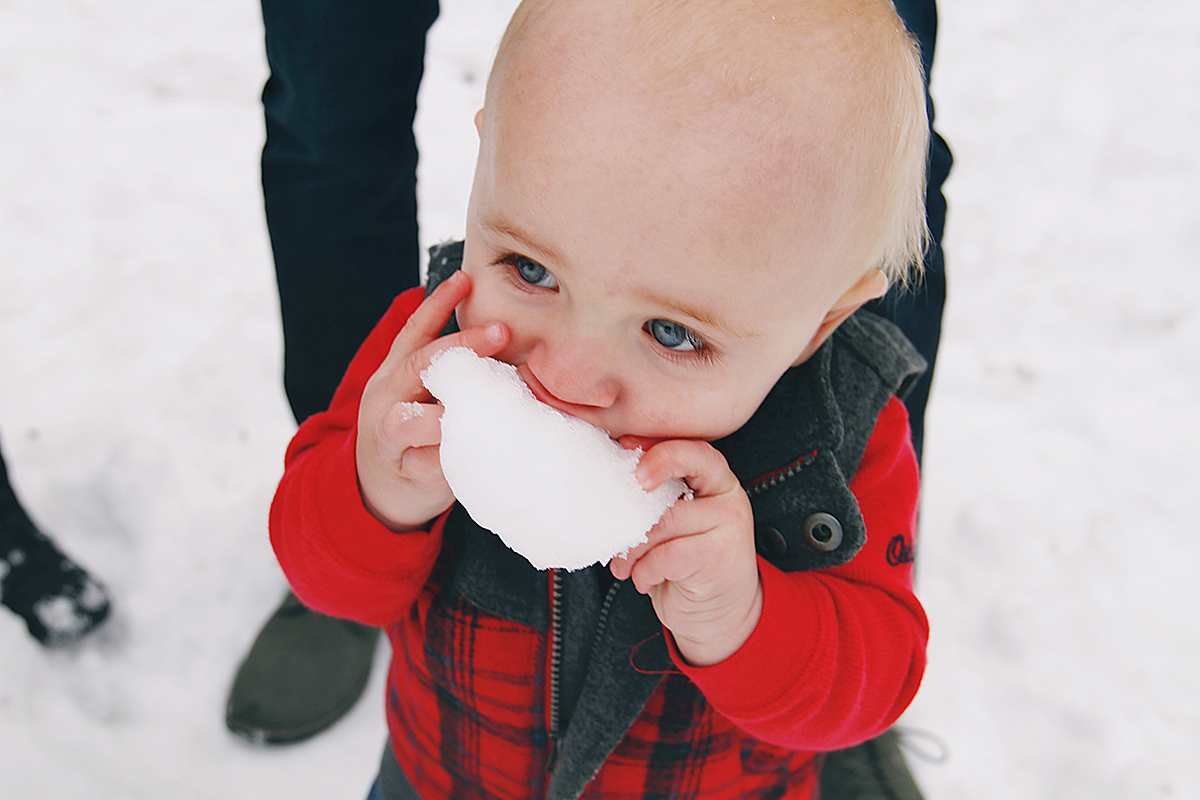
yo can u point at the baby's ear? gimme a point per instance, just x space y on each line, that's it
868 287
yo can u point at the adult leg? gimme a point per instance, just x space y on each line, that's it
875 770
339 175
339 184
58 600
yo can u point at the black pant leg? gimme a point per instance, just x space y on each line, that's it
339 175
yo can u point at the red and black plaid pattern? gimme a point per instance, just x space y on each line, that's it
467 702
467 713
679 747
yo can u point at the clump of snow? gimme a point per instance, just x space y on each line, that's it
554 488
62 616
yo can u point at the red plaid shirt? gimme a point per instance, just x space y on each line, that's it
468 718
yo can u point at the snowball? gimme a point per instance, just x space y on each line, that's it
554 488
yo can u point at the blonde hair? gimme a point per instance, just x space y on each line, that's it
847 69
905 234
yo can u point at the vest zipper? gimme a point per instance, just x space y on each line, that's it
602 618
555 666
556 653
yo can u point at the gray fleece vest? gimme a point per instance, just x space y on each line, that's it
796 457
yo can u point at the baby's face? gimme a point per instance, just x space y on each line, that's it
650 282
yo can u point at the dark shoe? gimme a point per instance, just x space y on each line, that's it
303 672
874 770
58 600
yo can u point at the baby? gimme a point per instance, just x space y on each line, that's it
678 208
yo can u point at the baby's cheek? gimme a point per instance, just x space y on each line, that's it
708 418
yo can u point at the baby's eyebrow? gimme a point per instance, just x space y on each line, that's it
510 231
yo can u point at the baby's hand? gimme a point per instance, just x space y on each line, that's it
399 425
699 566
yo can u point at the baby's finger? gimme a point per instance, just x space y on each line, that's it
632 442
485 340
423 466
677 560
668 527
427 322
408 425
420 340
698 463
405 378
622 566
396 379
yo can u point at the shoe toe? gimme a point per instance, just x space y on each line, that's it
303 673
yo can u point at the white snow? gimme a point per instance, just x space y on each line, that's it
553 487
143 420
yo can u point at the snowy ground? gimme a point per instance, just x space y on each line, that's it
142 415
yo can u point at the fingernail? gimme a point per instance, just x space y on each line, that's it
642 480
493 331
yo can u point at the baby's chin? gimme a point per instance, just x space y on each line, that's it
554 488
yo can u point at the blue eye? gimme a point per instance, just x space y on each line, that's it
534 273
673 336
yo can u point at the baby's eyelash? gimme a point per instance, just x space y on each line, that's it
527 273
698 349
702 354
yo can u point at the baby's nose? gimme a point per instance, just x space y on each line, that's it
579 374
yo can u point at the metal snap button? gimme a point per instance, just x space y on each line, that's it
770 541
823 532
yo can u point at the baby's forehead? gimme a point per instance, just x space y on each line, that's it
740 43
797 95
785 71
